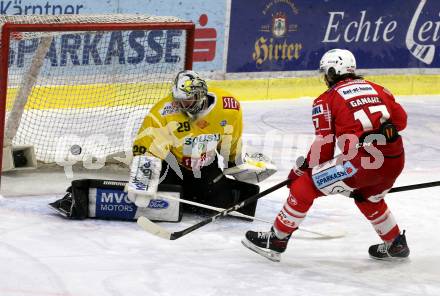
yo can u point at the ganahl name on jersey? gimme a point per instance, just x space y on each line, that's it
364 101
333 175
230 103
356 90
169 109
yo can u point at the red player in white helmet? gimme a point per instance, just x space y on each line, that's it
364 120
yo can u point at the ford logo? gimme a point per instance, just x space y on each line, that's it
158 204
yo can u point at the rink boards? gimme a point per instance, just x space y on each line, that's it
136 94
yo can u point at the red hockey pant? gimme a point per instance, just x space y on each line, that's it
370 183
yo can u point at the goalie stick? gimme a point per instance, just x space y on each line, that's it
164 233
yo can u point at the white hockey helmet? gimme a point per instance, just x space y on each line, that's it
189 90
337 62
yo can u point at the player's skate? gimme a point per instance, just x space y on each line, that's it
397 250
266 243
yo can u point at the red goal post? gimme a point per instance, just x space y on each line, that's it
68 80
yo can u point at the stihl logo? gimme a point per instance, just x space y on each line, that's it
230 103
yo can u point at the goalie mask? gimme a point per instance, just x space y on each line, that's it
189 91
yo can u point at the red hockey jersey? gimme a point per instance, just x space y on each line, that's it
353 108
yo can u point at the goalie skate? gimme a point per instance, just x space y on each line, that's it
63 206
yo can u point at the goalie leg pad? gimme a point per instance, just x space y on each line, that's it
106 199
113 203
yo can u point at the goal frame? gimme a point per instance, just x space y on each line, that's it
9 28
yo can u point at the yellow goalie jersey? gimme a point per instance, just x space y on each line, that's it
193 142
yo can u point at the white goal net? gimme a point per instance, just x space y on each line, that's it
77 87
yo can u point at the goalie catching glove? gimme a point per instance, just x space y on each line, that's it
144 179
255 168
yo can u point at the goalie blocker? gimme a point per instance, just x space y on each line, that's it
106 199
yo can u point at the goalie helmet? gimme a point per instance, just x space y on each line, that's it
189 91
337 62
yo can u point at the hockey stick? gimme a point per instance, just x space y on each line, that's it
193 203
403 188
414 186
164 233
241 215
156 229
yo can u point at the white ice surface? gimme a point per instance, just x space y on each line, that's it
43 254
